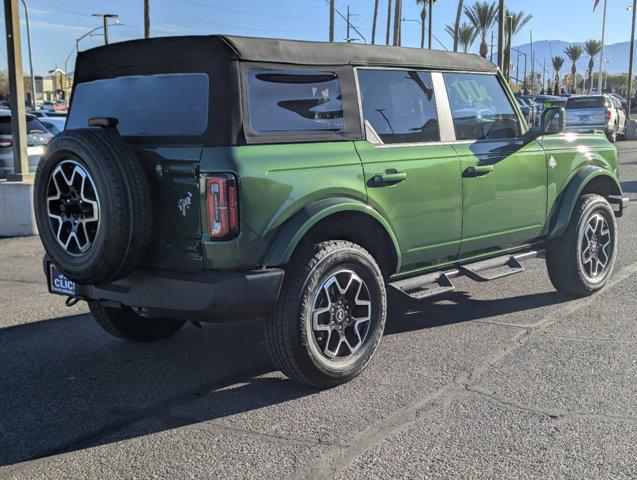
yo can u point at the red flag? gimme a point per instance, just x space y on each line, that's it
595 6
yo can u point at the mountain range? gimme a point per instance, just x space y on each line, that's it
616 57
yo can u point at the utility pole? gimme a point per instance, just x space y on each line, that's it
632 59
491 55
388 21
501 13
347 37
16 91
517 68
431 22
374 22
397 22
332 8
601 58
532 61
105 17
146 18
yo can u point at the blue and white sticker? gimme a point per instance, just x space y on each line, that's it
59 283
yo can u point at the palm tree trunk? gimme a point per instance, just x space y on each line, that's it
388 22
484 49
397 21
374 22
574 76
457 26
332 8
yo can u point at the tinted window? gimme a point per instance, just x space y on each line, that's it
400 105
175 104
294 101
480 107
33 125
585 102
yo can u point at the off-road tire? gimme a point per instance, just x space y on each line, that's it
125 209
286 328
612 135
563 253
124 323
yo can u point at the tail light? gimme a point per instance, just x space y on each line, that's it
608 114
5 141
223 211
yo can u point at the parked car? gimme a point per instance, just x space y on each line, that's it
527 110
544 101
622 100
297 180
48 106
53 124
37 139
595 112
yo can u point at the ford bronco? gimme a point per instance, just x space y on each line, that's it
214 178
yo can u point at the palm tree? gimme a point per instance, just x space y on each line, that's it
374 22
517 23
592 48
482 16
574 53
388 21
466 35
423 17
558 62
456 27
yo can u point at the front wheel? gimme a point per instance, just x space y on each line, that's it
330 316
581 260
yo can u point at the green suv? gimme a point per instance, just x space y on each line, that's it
214 178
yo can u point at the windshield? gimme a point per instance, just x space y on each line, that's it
172 104
585 102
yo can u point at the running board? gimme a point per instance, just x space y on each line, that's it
437 283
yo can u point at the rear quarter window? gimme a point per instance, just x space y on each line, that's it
294 101
154 105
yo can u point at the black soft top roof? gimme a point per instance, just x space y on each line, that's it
202 49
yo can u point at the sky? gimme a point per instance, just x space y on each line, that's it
56 24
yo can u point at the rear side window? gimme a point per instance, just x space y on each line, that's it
33 125
400 105
294 101
171 105
480 107
585 102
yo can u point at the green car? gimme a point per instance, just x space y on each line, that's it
215 178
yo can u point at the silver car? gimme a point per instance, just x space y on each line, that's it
588 113
37 139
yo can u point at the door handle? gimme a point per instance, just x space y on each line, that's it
478 170
389 177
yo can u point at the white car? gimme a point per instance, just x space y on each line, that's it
587 113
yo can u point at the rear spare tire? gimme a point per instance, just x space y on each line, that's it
92 205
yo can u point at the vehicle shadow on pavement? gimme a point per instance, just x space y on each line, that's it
65 385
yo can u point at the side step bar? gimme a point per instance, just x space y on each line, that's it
437 283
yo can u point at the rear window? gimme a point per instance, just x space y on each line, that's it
33 125
294 101
158 105
585 102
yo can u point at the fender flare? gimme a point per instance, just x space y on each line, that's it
293 231
572 192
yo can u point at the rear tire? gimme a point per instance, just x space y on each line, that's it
317 334
612 136
124 323
567 255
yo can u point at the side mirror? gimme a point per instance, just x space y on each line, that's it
553 120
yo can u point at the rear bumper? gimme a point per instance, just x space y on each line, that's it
587 128
206 296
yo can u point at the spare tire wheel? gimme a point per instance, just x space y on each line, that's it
92 205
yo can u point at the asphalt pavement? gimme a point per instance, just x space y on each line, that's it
506 379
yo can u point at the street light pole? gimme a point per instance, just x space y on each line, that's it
632 59
26 17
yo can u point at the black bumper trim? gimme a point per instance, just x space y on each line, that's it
204 296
